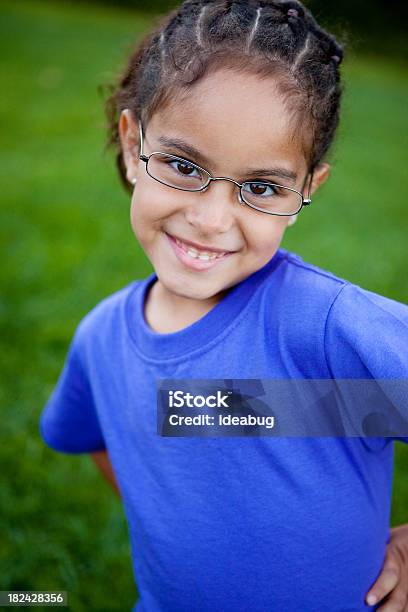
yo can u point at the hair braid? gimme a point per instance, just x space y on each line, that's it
277 38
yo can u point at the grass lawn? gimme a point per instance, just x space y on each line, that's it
65 224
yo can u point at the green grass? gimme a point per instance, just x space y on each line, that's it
65 225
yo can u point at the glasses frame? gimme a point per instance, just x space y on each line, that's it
241 198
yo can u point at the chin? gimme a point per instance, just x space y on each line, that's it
195 290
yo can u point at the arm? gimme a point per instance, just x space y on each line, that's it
368 338
102 460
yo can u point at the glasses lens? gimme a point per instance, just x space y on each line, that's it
272 198
176 172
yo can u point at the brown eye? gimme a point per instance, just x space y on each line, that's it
185 168
262 189
258 189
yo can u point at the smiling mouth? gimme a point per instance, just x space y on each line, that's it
196 253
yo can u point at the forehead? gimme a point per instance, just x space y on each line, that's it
232 119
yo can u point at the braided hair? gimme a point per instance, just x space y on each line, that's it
269 38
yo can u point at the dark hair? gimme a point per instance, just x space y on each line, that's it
268 38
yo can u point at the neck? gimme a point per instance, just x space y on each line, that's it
167 312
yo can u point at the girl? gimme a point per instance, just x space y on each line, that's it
223 121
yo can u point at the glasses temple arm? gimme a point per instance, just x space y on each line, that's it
308 199
141 156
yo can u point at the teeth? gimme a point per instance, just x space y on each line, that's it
203 255
200 255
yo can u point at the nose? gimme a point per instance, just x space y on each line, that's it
213 210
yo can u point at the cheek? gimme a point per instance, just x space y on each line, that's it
152 202
134 211
265 235
140 217
151 205
144 208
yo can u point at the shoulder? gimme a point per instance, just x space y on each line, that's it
333 321
343 298
298 297
302 287
354 302
367 333
304 272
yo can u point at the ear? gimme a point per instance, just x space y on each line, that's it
320 175
129 140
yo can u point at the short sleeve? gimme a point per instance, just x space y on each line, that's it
69 422
366 336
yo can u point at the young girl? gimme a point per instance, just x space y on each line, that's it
223 120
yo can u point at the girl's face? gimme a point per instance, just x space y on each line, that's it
239 124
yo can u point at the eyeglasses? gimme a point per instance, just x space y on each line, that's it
179 173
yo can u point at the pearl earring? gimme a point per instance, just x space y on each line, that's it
292 220
133 180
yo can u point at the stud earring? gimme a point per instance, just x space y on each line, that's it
292 220
133 180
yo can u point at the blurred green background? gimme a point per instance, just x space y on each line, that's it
68 244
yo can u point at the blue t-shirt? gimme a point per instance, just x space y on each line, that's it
239 523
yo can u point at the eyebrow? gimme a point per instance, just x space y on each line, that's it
190 150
